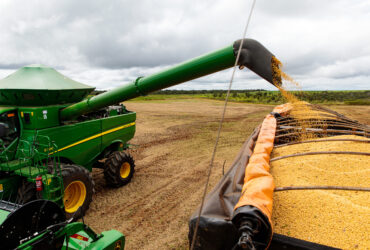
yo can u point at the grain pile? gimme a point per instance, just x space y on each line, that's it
335 218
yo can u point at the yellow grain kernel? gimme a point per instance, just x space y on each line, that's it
335 218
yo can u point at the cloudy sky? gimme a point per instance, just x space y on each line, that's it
323 44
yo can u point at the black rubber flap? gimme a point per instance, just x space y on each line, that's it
257 58
262 229
284 242
213 233
34 216
216 231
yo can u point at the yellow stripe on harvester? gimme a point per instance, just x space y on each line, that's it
96 136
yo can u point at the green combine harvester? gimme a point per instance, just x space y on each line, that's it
52 134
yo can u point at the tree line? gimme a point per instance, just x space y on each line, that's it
359 97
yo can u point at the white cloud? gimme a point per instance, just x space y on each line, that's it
323 44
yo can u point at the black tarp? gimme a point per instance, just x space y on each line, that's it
216 229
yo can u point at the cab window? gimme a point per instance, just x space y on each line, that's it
9 121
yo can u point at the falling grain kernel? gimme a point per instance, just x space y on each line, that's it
302 112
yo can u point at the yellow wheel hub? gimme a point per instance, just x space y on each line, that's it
74 196
125 170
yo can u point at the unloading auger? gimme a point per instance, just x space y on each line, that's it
253 55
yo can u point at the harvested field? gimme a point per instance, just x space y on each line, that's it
175 140
359 113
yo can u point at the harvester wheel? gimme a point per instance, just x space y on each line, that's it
78 189
26 192
119 168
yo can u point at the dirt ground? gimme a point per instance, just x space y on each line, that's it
174 141
359 113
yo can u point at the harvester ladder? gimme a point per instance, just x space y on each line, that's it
47 161
43 158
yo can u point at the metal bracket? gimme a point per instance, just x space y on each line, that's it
137 86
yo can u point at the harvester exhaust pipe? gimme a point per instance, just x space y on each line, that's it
253 55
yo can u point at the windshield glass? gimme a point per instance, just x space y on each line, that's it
10 121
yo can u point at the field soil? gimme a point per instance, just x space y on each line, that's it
172 148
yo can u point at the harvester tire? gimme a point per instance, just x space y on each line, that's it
26 192
78 190
119 169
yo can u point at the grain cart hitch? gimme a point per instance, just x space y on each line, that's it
251 228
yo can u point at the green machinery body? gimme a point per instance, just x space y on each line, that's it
49 119
42 224
41 139
78 236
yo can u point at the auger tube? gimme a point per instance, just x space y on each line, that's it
253 56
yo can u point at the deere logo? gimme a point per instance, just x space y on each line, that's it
48 149
118 245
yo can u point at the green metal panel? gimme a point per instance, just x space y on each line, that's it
75 243
38 85
106 240
119 128
79 142
82 142
111 240
30 171
76 141
83 154
39 117
82 238
14 164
